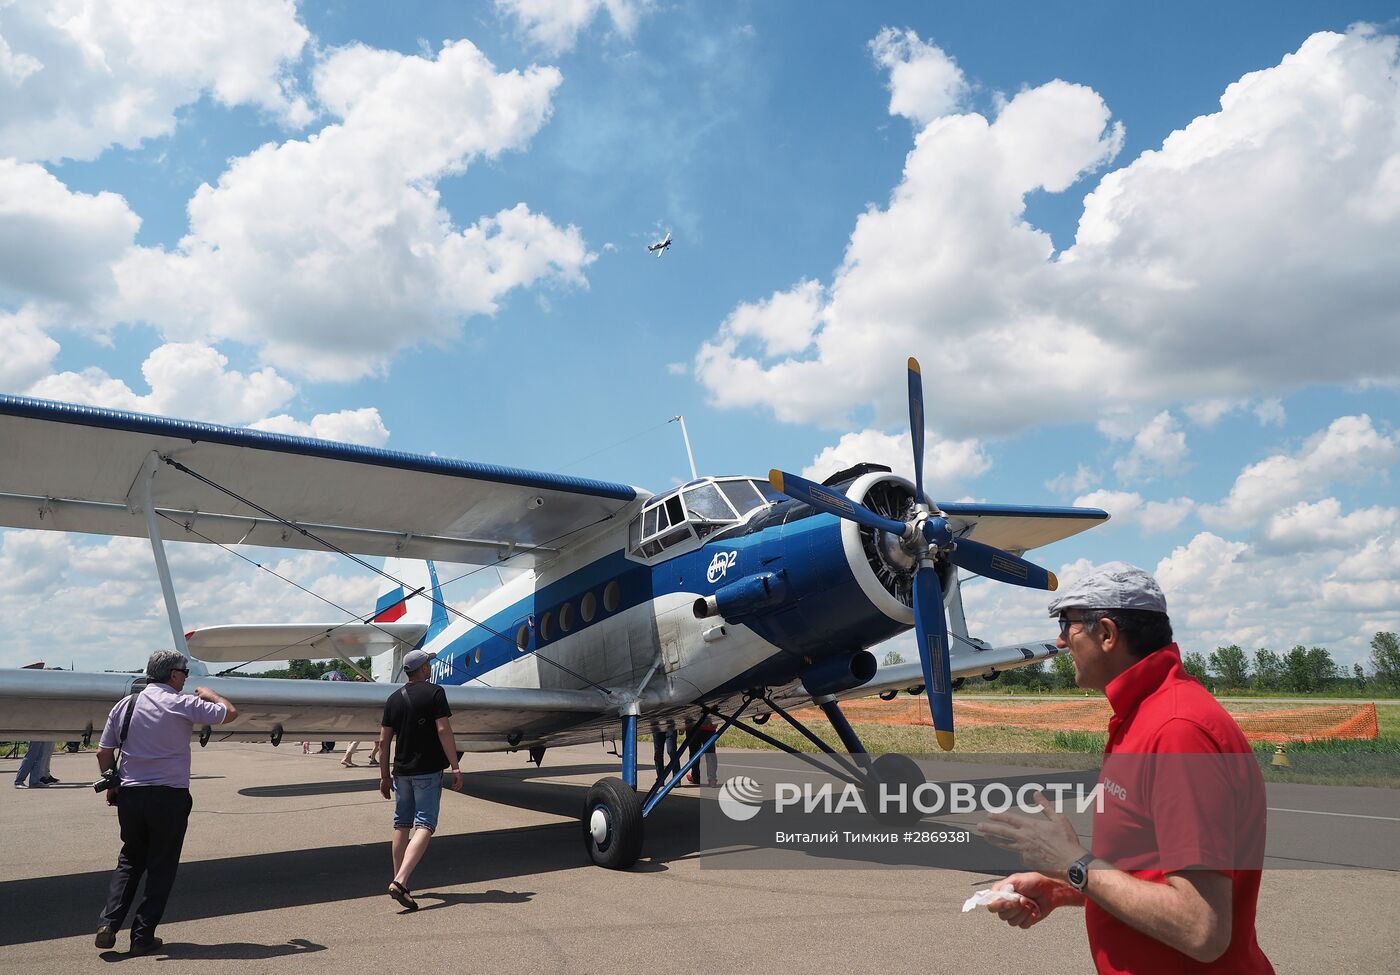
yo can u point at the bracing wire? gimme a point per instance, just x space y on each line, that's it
331 546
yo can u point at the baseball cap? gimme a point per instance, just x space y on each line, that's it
415 659
1113 585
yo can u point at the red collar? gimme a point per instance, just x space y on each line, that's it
1126 691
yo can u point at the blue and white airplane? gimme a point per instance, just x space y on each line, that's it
727 595
660 246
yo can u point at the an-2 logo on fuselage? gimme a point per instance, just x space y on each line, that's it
720 564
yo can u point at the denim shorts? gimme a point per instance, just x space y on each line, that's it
416 801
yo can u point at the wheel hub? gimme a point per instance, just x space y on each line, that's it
598 826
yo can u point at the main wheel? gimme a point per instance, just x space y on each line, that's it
612 824
895 770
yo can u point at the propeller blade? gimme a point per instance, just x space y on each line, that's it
931 632
832 502
992 562
916 426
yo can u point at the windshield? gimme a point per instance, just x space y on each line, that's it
695 511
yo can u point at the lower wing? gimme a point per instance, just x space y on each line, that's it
65 705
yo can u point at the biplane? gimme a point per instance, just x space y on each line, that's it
735 597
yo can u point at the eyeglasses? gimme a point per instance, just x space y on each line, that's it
185 670
1067 621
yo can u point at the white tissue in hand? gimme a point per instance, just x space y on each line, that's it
990 896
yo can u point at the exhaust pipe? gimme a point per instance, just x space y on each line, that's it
743 598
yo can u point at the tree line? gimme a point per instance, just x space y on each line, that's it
312 669
1301 670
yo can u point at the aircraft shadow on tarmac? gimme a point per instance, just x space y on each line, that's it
45 908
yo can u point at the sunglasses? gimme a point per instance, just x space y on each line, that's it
180 670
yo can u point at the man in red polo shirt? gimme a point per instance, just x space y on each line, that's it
1172 882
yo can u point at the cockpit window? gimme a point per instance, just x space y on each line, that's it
705 503
743 495
694 512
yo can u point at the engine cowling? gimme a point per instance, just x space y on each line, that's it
832 675
880 564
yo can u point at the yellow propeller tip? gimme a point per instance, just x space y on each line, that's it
1054 582
775 478
914 365
945 740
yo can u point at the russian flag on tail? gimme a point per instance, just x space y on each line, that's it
391 606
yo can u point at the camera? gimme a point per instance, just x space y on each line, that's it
110 780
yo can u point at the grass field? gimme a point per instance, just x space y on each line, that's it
1336 762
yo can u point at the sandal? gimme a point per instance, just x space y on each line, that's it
348 764
403 895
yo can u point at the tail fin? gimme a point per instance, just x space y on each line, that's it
412 595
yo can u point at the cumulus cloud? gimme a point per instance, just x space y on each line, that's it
107 594
26 351
362 426
186 380
57 246
332 253
1080 481
1310 526
1206 268
555 24
1350 450
78 76
1223 592
784 323
942 267
1130 508
1158 448
925 82
948 464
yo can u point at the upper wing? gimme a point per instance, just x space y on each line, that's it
64 705
289 641
75 468
1019 528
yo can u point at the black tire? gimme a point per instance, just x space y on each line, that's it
895 770
617 842
888 695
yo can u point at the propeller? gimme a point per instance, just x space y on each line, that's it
926 535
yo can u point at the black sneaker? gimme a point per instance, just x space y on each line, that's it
106 937
149 947
49 780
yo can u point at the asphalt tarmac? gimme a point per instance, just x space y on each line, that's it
287 859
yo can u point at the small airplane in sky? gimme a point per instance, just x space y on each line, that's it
660 246
725 596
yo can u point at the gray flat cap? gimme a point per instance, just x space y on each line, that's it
1113 585
415 659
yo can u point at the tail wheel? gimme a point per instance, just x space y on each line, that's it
612 824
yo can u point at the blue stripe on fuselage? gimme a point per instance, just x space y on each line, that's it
826 613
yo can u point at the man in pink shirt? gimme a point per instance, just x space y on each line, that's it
153 801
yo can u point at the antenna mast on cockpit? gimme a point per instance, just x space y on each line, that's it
694 476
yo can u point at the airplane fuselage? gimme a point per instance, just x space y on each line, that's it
604 614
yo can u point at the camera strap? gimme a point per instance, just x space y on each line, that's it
137 688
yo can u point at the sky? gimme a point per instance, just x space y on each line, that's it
1148 257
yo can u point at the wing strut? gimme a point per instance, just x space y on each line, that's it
145 502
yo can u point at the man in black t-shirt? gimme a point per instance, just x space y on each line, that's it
416 721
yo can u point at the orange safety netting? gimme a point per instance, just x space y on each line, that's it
1092 714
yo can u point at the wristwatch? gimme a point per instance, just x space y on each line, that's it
1078 872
